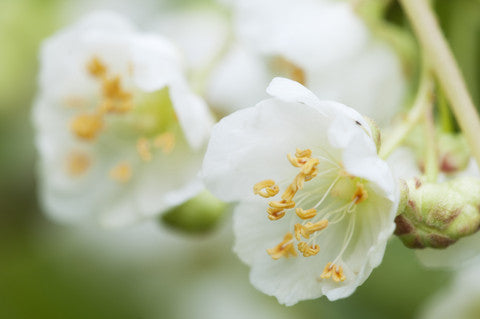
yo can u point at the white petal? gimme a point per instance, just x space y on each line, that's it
238 81
251 145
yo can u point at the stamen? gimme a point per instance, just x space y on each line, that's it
304 153
86 126
121 173
283 204
360 194
306 250
78 163
333 271
111 88
290 192
143 149
309 228
166 142
284 249
96 68
275 213
306 214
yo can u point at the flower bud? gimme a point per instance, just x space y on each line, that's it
437 215
198 215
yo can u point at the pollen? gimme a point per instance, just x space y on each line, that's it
284 249
96 68
121 173
78 163
360 194
309 228
306 214
165 141
144 149
87 126
333 271
306 250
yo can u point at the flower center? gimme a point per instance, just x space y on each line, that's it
146 121
338 200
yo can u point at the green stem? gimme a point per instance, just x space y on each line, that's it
422 101
444 66
431 152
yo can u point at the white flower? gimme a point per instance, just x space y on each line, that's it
319 43
119 132
333 201
460 300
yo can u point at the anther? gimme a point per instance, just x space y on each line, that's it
283 204
306 214
306 250
165 141
333 271
78 163
360 194
266 188
121 173
143 149
284 249
96 68
309 228
87 126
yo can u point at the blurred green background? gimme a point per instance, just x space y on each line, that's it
53 271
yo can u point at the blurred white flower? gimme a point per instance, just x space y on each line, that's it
119 132
460 300
319 43
333 201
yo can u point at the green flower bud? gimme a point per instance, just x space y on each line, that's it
198 215
437 215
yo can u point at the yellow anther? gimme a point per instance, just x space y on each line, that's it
166 142
78 163
309 228
87 126
111 88
283 204
306 250
306 214
290 192
284 249
121 173
96 68
333 271
266 188
360 194
275 213
143 149
310 166
305 153
295 161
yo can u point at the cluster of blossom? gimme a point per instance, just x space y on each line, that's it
125 129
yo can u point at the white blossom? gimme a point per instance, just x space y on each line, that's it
322 44
119 132
332 199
